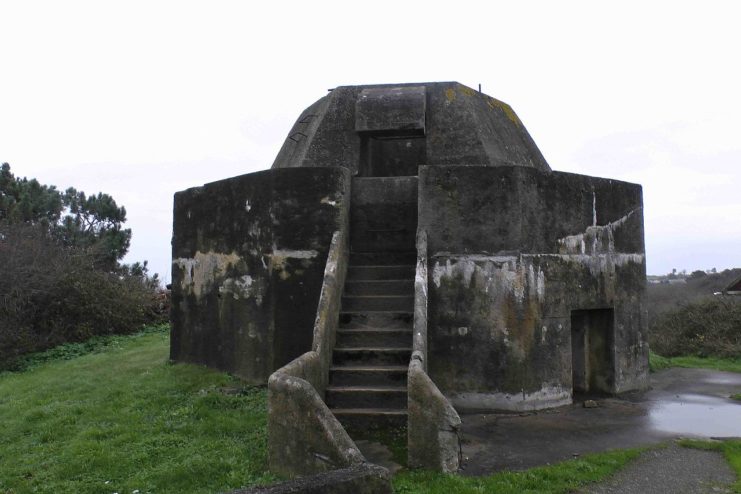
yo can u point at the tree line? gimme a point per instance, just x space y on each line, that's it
61 275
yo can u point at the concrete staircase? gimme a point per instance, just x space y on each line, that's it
368 378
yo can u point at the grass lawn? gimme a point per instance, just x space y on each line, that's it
112 416
124 420
657 363
561 478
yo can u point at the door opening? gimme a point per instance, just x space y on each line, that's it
592 350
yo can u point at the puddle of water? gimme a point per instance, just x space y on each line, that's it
734 380
697 415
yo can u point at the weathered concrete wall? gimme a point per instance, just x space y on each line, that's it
461 125
465 126
360 479
248 260
513 251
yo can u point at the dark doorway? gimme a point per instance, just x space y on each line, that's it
387 155
592 343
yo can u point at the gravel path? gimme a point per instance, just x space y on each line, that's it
671 470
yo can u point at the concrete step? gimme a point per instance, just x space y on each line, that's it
375 303
379 375
371 356
407 257
379 287
363 319
366 397
371 418
392 238
374 337
389 272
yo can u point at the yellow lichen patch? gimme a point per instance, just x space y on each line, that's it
504 107
278 263
467 91
279 257
450 94
511 114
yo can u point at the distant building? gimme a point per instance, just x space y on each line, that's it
734 289
676 281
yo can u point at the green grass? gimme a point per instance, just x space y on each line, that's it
657 362
394 439
122 419
736 397
561 478
731 449
111 415
68 351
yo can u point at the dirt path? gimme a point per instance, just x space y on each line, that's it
671 470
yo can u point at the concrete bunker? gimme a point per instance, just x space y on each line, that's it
409 249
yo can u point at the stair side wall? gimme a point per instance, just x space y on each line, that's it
433 425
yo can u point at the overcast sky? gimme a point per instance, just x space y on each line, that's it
142 99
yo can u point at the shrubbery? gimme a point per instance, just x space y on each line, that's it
706 328
60 276
666 297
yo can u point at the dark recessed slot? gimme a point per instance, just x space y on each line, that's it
592 344
391 155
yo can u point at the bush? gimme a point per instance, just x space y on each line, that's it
51 294
664 298
707 328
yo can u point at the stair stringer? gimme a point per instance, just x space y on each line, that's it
433 425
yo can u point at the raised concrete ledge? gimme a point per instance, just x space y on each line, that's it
365 478
547 397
